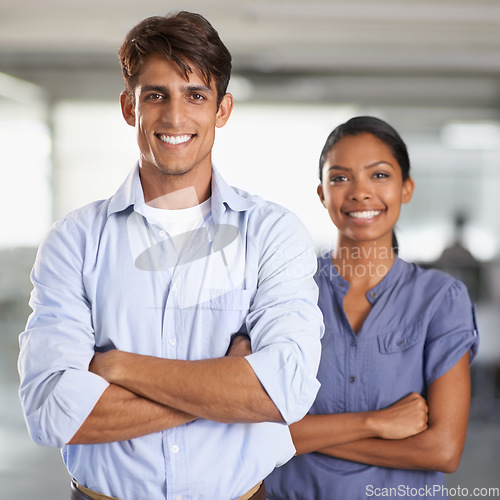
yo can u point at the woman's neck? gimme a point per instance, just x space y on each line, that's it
363 264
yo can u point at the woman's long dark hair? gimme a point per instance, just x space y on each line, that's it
378 128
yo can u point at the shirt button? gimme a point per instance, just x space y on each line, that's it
162 234
175 449
373 295
353 343
177 497
352 379
172 341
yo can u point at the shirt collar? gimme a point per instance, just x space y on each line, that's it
223 195
339 283
388 282
129 193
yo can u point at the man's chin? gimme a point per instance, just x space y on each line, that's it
173 170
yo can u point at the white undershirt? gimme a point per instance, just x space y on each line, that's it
181 221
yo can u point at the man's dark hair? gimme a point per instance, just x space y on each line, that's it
185 38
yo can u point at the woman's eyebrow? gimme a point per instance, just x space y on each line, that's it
339 167
370 165
377 163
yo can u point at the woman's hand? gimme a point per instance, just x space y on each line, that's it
324 433
403 419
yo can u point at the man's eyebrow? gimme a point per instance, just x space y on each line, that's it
198 88
164 90
154 88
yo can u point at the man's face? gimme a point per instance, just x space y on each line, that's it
175 119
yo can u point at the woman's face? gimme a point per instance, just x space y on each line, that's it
363 188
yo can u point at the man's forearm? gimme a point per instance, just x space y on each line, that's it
120 415
222 389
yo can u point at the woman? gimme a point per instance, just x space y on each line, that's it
392 331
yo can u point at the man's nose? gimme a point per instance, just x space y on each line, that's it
173 112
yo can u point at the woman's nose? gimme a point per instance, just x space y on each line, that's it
360 191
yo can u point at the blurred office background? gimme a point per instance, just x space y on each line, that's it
429 67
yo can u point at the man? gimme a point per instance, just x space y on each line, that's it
124 363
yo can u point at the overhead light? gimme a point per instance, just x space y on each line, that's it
20 90
390 11
471 135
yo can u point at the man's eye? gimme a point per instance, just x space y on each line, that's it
154 97
197 97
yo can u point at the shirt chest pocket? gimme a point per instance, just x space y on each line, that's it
399 340
398 362
216 319
227 300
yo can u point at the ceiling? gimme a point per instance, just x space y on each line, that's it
431 55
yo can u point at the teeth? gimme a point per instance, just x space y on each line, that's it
174 139
368 214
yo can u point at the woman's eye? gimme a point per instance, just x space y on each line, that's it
381 175
338 178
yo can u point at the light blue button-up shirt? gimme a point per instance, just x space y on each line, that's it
105 277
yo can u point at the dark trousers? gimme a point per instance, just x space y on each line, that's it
261 493
76 494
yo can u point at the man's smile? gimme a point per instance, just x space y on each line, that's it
174 139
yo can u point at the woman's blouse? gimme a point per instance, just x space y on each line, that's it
420 325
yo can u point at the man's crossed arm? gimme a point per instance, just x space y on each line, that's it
149 394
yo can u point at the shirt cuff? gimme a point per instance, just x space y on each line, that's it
73 398
286 381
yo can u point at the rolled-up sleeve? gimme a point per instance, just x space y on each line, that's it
285 323
452 332
57 391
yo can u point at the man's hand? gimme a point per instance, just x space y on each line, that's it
240 346
106 364
403 419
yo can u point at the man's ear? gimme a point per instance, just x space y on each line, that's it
321 195
128 109
224 111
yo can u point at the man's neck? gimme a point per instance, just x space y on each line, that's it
176 192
